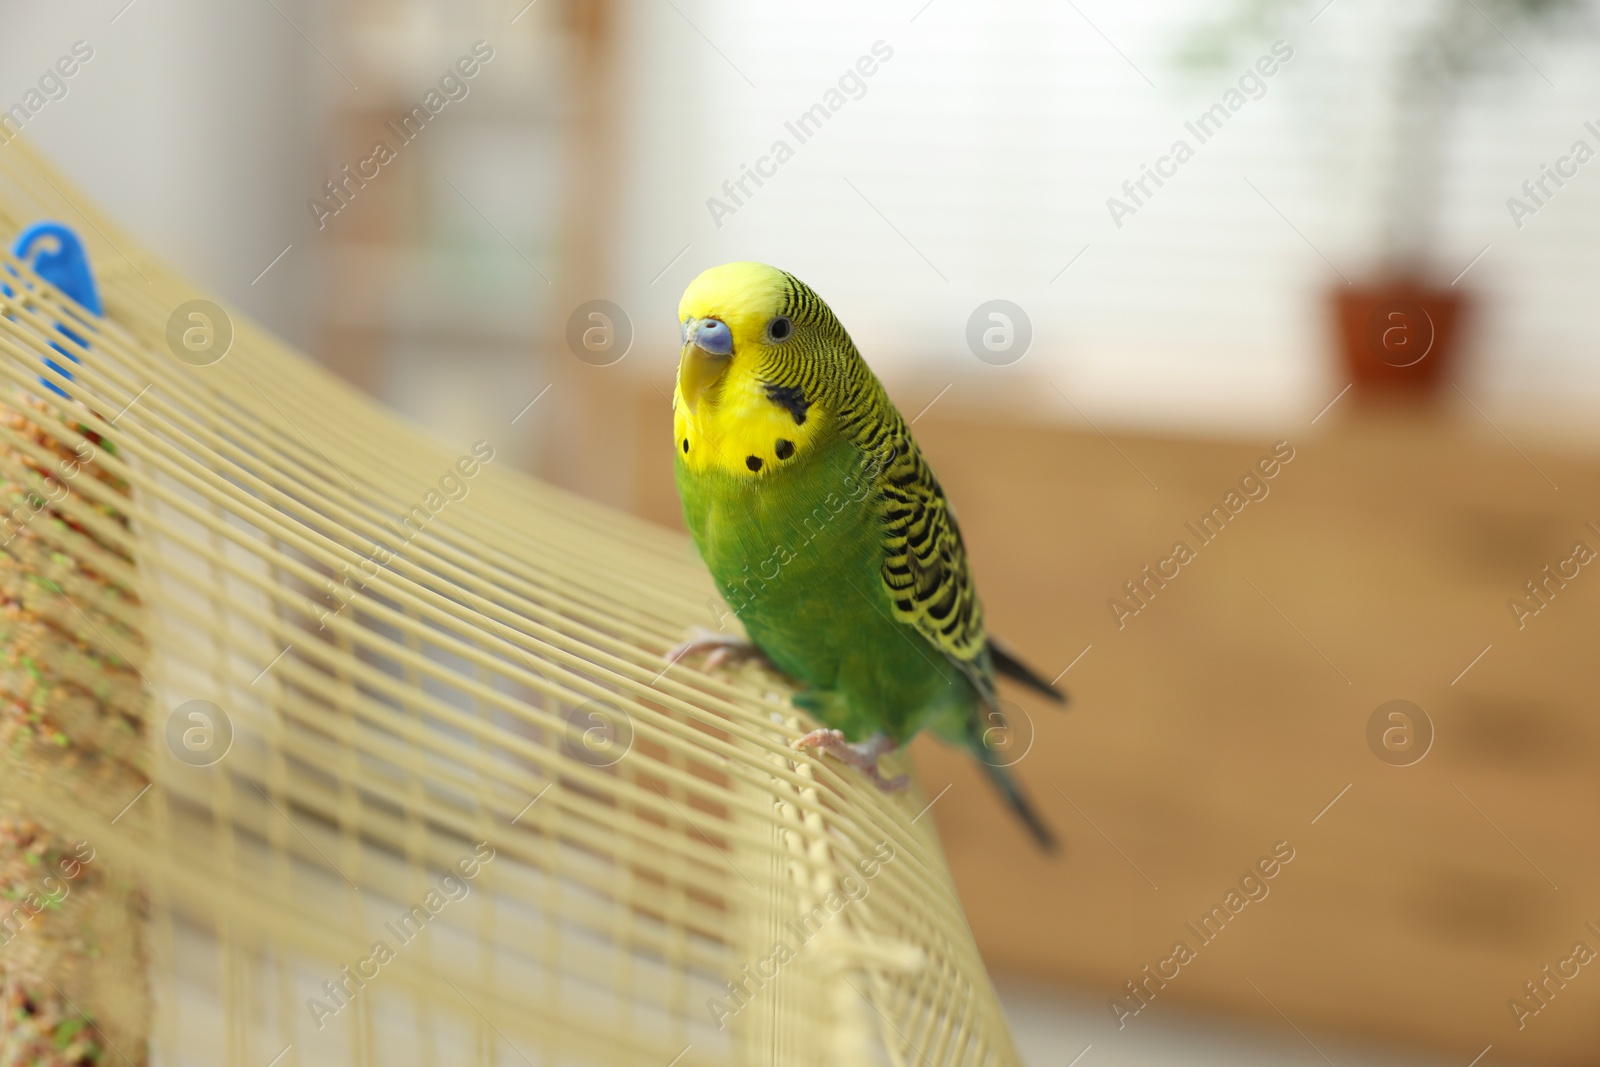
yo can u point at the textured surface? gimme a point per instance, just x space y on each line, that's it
72 951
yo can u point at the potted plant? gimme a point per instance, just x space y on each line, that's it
1399 327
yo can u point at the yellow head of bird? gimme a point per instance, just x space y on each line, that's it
728 313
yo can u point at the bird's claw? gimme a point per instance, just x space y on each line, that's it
863 756
720 648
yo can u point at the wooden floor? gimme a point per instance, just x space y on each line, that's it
1226 714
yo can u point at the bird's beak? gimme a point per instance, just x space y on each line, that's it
697 370
707 351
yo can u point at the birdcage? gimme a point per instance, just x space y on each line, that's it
325 743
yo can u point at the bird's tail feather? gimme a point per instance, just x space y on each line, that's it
1010 666
1016 799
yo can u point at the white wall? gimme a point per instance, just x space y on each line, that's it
990 141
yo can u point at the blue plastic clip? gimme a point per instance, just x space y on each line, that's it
56 254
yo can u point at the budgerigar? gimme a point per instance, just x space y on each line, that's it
825 530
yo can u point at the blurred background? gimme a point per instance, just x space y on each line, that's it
1112 259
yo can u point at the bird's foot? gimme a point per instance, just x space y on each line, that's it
863 755
720 648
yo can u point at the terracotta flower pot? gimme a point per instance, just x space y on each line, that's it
1399 337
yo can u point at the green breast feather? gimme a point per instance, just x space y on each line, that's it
805 558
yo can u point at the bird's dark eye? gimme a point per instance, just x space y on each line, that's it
779 329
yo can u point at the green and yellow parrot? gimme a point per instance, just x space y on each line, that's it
825 530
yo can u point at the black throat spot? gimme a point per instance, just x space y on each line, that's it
791 398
